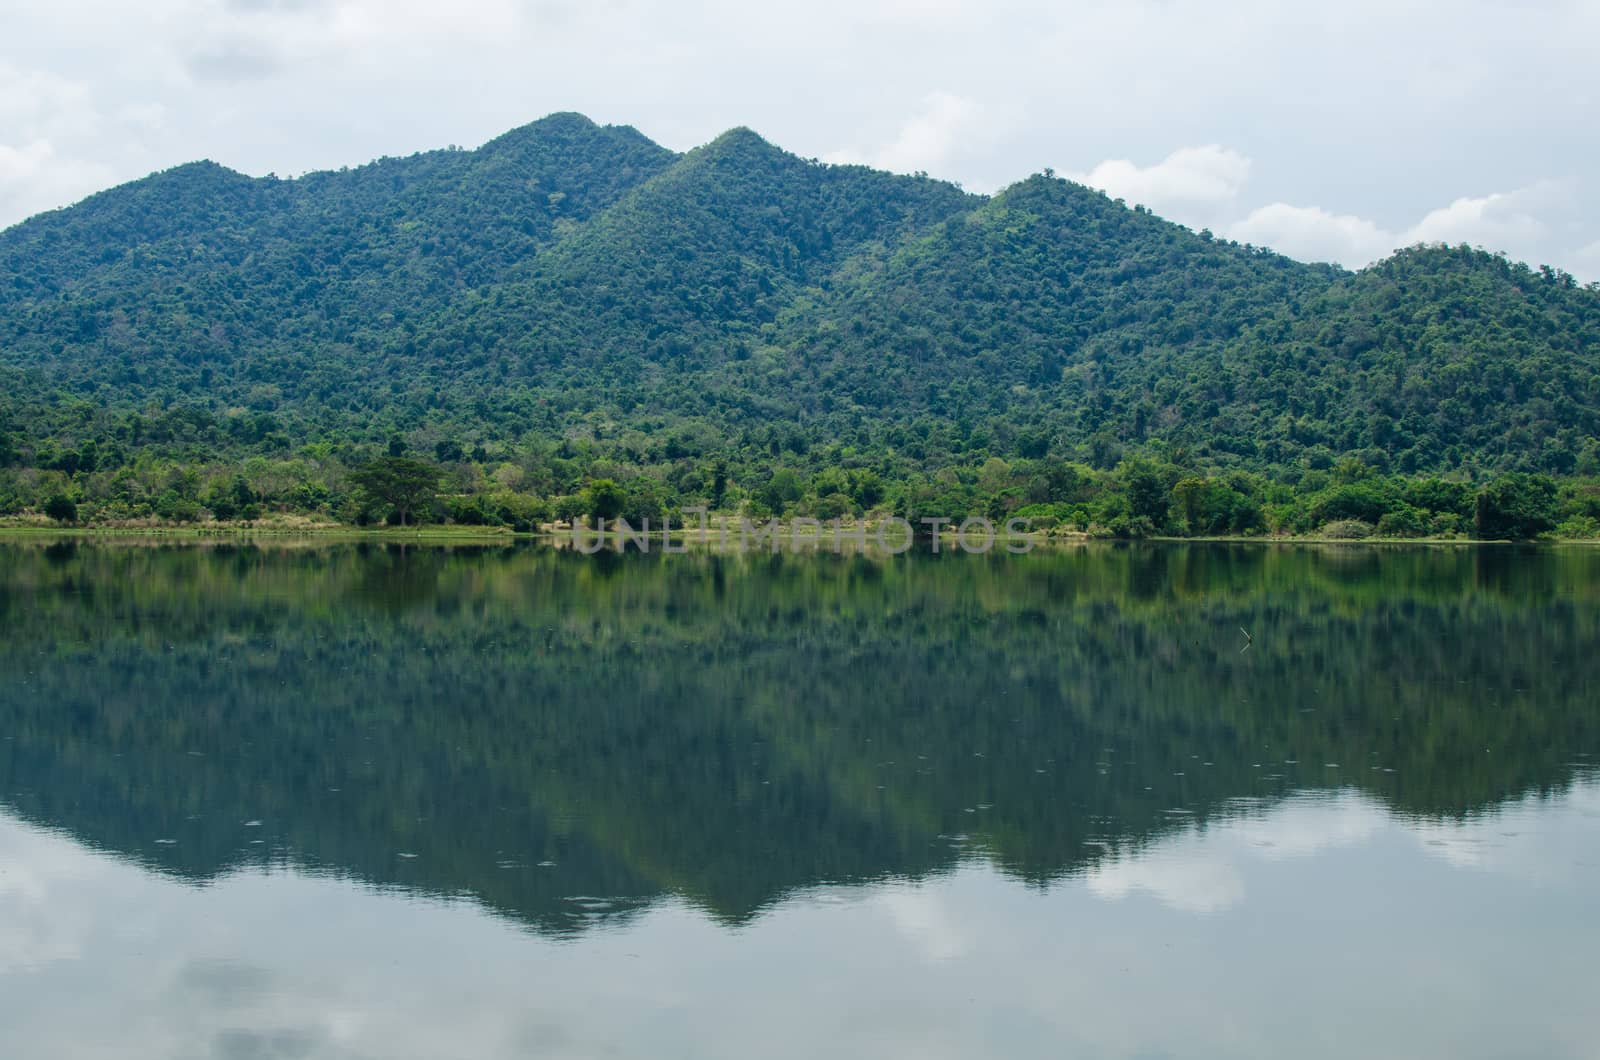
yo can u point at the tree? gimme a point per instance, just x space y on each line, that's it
782 490
1147 493
1190 493
237 499
61 509
646 499
606 498
400 482
1057 482
866 488
834 506
571 508
1516 508
719 484
1362 501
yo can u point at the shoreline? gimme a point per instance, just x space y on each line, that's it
562 536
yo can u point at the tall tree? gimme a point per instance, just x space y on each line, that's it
400 482
1516 508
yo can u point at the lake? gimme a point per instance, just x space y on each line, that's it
311 799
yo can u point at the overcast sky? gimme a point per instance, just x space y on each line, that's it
1328 131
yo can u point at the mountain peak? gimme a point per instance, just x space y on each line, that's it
202 170
563 124
741 142
741 135
568 129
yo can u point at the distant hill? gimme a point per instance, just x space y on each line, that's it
575 292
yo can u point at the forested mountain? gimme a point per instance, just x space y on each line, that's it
571 302
198 285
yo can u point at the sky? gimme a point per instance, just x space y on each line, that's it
1331 132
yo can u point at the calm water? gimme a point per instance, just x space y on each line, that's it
371 802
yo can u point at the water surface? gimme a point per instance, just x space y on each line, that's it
367 801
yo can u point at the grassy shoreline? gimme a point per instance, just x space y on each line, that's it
787 541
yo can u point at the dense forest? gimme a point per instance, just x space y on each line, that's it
572 320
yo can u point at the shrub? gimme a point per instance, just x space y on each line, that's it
1347 530
177 508
62 509
1406 522
834 506
1354 502
523 512
1445 524
1132 526
1583 527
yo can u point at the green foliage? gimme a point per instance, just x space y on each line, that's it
61 509
738 327
1347 529
1404 522
523 513
1366 502
782 490
1516 508
604 499
235 499
570 508
1148 498
1207 506
1579 528
398 482
834 506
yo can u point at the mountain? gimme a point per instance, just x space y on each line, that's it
574 301
1101 320
134 293
686 272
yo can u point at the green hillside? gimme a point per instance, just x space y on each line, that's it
744 328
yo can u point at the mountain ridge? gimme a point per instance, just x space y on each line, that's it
576 301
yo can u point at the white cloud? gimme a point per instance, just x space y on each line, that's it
34 177
1174 876
919 13
1526 223
22 163
34 103
39 111
1516 221
36 869
922 917
1197 871
1205 870
237 59
1517 839
1311 233
1210 175
946 125
1205 186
